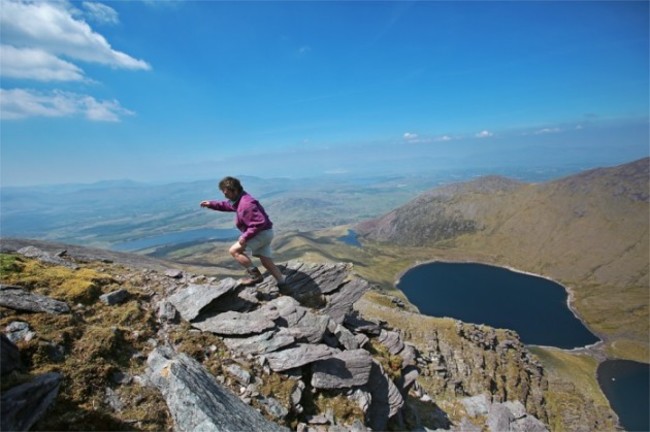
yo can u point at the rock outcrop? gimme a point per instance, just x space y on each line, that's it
261 358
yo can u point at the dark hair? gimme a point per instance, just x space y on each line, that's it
231 184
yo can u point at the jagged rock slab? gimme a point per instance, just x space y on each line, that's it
191 300
361 325
299 356
284 309
17 298
386 398
9 355
344 370
24 405
195 399
339 304
324 278
46 257
264 343
235 323
392 341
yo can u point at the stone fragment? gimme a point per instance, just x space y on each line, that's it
362 398
45 257
174 274
114 297
240 374
17 298
409 355
299 356
18 331
339 303
528 424
195 399
296 396
476 405
167 312
260 344
386 398
274 408
361 325
343 370
499 418
391 340
345 337
25 404
191 300
235 323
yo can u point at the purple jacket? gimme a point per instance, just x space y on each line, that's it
251 217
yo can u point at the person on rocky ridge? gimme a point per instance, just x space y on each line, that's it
256 227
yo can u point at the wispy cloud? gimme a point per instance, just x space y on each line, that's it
484 134
101 13
304 49
36 64
547 131
45 41
21 103
409 136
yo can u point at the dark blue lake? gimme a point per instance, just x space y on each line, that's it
178 237
535 307
627 386
350 239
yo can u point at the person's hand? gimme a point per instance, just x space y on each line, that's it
242 242
205 203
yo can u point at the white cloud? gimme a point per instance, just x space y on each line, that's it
443 138
304 49
484 134
101 13
51 27
21 103
408 136
36 64
547 130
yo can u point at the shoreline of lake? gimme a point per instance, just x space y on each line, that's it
569 292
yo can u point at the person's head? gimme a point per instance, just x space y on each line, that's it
231 187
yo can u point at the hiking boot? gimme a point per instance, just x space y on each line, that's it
254 277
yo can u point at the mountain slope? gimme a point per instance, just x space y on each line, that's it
588 231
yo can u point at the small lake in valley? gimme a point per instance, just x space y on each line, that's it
535 307
350 239
626 385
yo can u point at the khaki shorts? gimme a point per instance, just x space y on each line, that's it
260 245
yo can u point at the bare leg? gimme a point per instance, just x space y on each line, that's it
272 268
237 252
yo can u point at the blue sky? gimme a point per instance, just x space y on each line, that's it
165 91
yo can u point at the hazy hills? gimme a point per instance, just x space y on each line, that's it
589 231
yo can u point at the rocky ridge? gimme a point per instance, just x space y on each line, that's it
211 354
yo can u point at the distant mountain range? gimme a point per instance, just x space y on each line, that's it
588 231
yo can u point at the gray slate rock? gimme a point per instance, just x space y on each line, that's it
195 399
189 301
17 298
19 330
386 398
46 257
114 297
476 405
391 340
528 424
299 356
235 323
274 408
174 274
9 355
343 370
24 405
323 278
339 304
240 374
264 343
499 418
